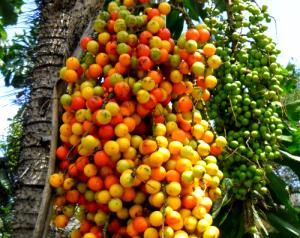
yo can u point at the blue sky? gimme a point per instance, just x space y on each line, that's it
287 38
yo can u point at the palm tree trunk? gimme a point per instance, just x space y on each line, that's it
61 25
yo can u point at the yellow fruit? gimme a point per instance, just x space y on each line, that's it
124 144
156 219
102 197
203 148
89 235
111 147
202 225
181 234
221 141
100 218
150 233
211 232
160 129
190 224
116 190
211 81
164 8
130 153
69 183
212 169
103 116
175 147
162 141
115 204
173 189
165 153
185 213
121 130
157 199
197 131
136 141
166 232
152 186
174 202
143 172
153 26
127 178
87 92
113 108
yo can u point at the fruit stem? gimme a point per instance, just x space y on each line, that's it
232 109
184 14
207 117
228 4
104 231
74 146
164 208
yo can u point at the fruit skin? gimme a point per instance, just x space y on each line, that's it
56 180
61 221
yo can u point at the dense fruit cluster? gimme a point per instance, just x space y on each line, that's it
245 102
139 160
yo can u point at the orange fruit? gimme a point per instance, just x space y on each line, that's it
95 71
59 201
102 59
73 63
72 196
95 183
179 135
130 123
140 224
209 50
164 8
173 188
128 194
173 217
172 176
61 221
70 76
189 202
192 34
148 146
90 170
110 180
185 104
208 137
56 180
156 159
125 60
159 173
183 164
130 230
204 35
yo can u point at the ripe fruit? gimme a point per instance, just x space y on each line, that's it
164 8
115 204
132 132
103 116
56 180
61 221
156 219
173 188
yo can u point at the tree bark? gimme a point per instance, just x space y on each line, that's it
61 25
